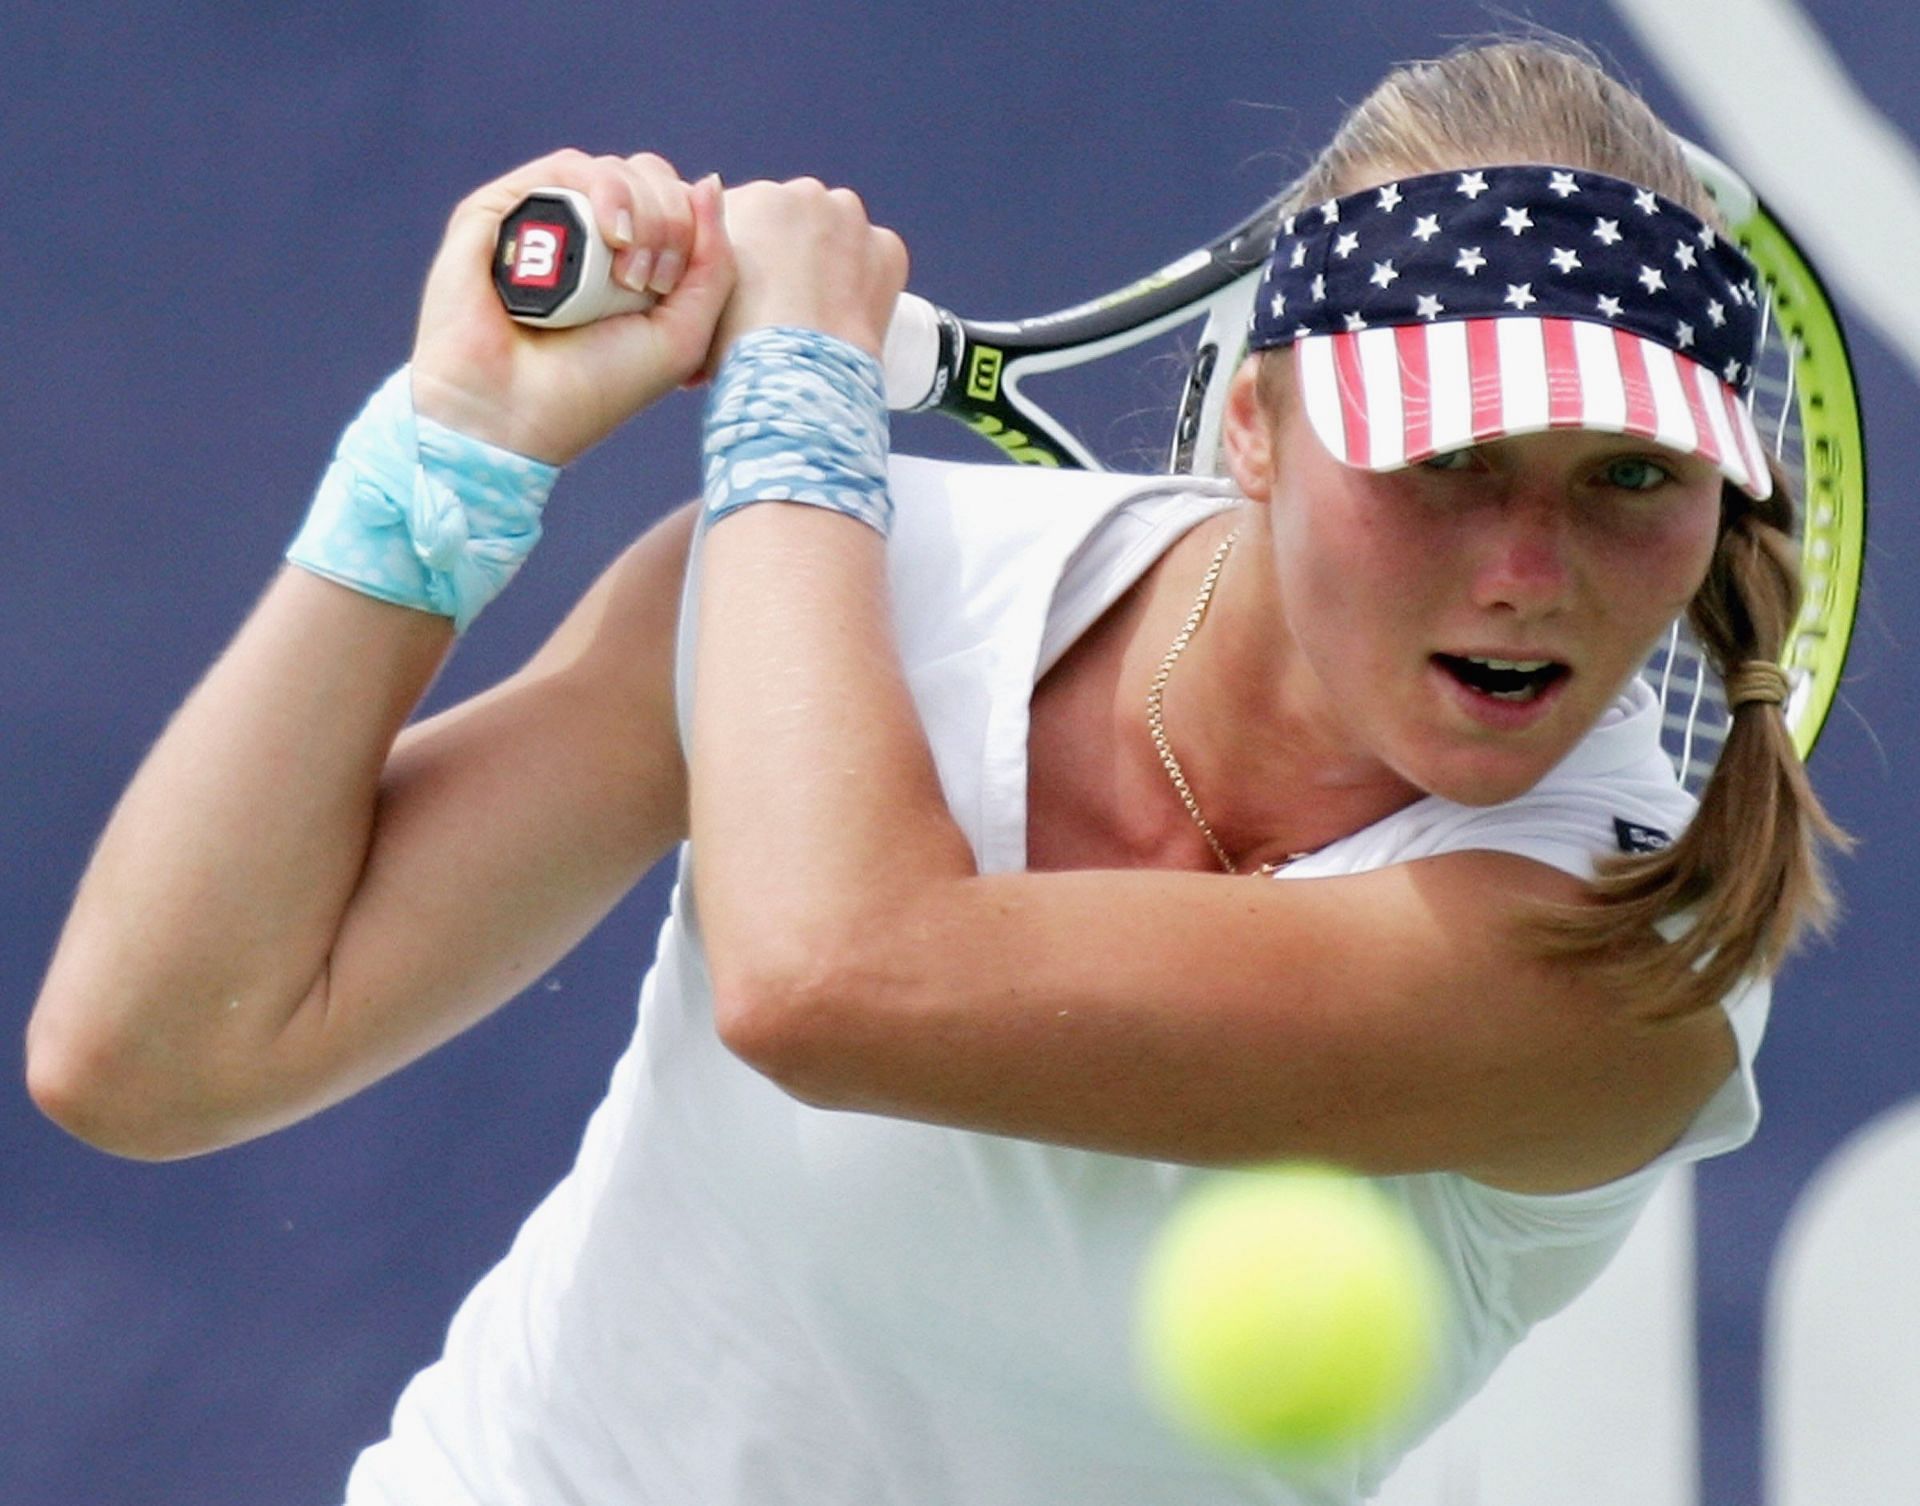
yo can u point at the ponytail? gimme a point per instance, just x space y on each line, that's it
1747 877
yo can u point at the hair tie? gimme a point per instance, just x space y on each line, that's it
1757 680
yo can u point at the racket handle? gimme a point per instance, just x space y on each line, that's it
551 269
913 355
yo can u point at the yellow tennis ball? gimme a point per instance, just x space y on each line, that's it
1293 1310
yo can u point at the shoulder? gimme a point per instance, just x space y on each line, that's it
997 543
1616 792
944 501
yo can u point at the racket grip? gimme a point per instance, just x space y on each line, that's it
552 269
910 356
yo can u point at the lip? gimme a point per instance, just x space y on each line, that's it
1489 711
1506 651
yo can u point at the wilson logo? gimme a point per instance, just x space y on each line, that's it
983 374
536 253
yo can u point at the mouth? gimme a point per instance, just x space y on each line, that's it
1517 682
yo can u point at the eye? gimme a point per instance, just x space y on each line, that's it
1451 460
1636 473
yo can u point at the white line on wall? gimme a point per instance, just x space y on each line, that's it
1783 109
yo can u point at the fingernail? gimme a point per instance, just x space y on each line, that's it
623 229
666 272
639 265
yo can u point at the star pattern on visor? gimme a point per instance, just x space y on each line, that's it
1539 242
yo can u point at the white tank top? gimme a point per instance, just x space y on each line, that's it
736 1300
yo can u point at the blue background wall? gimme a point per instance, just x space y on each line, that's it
214 219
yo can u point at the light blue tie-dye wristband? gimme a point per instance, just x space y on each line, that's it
797 416
416 514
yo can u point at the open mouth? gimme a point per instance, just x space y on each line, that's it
1518 680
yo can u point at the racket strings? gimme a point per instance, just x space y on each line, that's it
1695 718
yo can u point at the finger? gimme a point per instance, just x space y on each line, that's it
651 204
610 186
712 248
618 217
709 281
666 227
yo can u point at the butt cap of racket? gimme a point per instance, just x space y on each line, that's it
552 269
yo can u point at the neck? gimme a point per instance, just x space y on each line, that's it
1266 756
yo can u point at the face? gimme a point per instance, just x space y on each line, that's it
1466 621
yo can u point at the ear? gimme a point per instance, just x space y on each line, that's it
1246 433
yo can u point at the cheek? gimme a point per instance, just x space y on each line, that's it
1364 550
1665 559
1348 580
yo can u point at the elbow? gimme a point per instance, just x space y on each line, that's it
794 1015
92 1085
75 1083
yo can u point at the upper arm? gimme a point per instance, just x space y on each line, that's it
1395 1021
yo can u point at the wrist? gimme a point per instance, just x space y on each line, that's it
797 416
485 419
415 512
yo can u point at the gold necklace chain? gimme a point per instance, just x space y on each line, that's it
1156 692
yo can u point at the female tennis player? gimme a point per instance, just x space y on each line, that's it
1052 837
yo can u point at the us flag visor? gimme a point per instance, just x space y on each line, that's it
1443 311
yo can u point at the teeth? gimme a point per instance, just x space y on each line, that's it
1520 666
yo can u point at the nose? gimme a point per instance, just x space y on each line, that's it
1523 556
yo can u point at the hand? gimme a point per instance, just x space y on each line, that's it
807 255
548 393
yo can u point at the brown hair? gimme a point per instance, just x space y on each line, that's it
1747 874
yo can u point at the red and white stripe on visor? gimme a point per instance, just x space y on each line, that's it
1391 396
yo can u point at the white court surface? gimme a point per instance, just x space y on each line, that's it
1844 177
1598 1406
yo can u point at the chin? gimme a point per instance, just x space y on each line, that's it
1483 776
1471 761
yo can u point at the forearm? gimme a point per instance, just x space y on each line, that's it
211 902
816 806
294 897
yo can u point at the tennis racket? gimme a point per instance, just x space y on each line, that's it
1805 407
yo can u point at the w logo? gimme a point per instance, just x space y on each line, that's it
536 254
